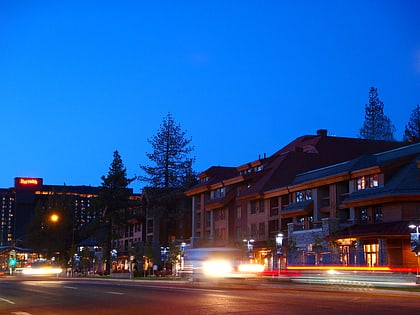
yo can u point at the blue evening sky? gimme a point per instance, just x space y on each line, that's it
81 79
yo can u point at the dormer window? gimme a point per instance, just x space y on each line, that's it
303 195
365 182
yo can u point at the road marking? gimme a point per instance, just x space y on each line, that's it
116 293
7 301
68 287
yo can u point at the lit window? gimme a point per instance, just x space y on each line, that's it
365 182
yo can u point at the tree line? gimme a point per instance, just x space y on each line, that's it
168 175
378 126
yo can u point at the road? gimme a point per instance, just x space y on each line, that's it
55 296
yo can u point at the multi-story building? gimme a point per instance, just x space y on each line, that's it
19 204
357 212
28 194
250 204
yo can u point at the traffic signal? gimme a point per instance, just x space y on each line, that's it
12 259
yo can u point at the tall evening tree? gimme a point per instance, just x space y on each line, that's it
171 157
412 129
377 126
168 177
114 200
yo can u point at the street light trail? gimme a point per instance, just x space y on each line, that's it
7 301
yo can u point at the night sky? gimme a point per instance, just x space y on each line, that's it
81 79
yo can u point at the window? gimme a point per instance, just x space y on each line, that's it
253 205
257 206
378 215
273 227
261 206
253 229
239 213
217 193
363 216
365 182
261 228
303 195
299 196
371 254
238 233
274 206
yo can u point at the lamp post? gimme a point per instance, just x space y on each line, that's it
279 245
183 245
164 251
249 246
415 247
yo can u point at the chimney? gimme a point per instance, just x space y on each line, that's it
321 132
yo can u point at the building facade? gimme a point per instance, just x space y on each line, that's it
247 206
30 197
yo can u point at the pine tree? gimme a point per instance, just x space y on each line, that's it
168 178
171 156
114 193
412 129
114 201
377 126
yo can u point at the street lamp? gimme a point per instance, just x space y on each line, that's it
54 218
415 247
249 246
183 245
279 245
164 251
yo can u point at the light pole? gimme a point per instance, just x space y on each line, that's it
415 247
279 245
183 245
249 246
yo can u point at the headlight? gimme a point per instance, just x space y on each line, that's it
41 271
251 268
217 268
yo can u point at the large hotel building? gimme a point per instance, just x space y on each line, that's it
19 202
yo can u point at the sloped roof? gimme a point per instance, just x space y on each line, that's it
313 152
361 162
214 175
305 153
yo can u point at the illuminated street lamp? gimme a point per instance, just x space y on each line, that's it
279 252
415 247
54 217
249 246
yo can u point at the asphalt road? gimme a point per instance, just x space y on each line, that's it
55 296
